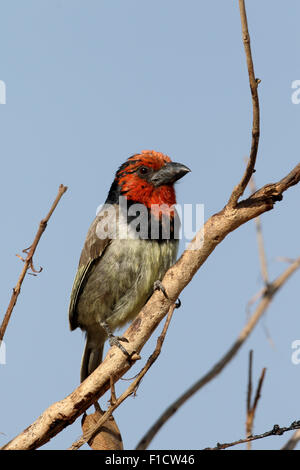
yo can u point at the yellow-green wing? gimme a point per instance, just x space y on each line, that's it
92 250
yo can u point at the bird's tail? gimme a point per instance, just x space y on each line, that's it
92 355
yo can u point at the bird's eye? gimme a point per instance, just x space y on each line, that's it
144 170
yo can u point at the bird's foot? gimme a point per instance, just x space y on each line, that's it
115 340
158 285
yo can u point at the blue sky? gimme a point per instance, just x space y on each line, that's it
90 83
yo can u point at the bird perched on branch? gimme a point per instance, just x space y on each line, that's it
129 247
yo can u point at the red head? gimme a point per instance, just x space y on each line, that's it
147 178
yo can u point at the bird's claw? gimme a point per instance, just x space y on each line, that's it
115 340
120 338
158 285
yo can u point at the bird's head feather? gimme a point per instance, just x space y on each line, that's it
147 178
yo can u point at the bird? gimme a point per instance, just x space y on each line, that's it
125 256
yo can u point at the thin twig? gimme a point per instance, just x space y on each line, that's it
228 356
254 299
113 397
251 408
249 389
238 191
258 391
115 402
285 259
28 261
275 431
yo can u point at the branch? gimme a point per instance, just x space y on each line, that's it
249 392
251 408
275 431
258 391
228 356
240 188
28 261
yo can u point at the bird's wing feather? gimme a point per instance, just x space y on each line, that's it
93 249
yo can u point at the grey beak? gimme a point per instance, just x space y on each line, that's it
169 173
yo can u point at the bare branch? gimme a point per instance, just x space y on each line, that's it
28 261
249 390
258 391
275 431
251 408
240 188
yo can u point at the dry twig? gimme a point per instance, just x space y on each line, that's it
251 408
253 81
275 431
28 261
